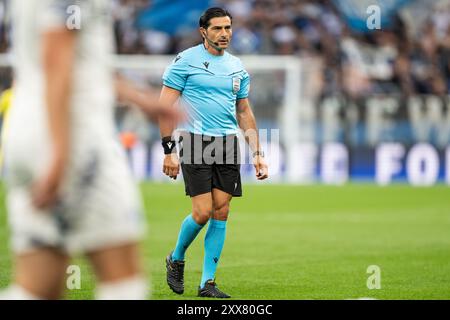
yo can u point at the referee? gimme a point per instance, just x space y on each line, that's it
212 87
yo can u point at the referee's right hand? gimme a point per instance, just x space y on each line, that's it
171 166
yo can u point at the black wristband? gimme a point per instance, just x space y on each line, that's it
169 145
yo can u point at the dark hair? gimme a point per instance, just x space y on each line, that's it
212 13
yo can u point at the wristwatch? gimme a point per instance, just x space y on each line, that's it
258 153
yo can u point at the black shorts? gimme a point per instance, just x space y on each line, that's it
210 162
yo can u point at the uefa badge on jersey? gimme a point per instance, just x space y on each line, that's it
236 85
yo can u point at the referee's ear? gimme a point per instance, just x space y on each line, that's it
202 32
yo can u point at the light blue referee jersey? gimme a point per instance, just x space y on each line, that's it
209 86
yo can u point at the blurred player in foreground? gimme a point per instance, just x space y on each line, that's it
69 187
213 88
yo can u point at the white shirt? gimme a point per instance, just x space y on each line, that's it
92 94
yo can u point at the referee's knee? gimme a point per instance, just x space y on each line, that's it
221 212
201 215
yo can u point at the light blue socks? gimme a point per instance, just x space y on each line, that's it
214 240
189 230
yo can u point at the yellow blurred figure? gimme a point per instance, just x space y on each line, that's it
5 104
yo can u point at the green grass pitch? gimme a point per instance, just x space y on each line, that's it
301 242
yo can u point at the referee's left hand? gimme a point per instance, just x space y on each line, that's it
261 168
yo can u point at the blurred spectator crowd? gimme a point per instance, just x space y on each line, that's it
411 56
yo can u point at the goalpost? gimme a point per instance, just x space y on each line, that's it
283 123
276 97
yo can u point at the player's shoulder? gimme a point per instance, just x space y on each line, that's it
188 55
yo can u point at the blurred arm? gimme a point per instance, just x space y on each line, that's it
58 56
145 100
58 60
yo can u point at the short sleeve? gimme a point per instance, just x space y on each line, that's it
175 75
245 86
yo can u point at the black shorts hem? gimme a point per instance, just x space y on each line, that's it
233 194
198 193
